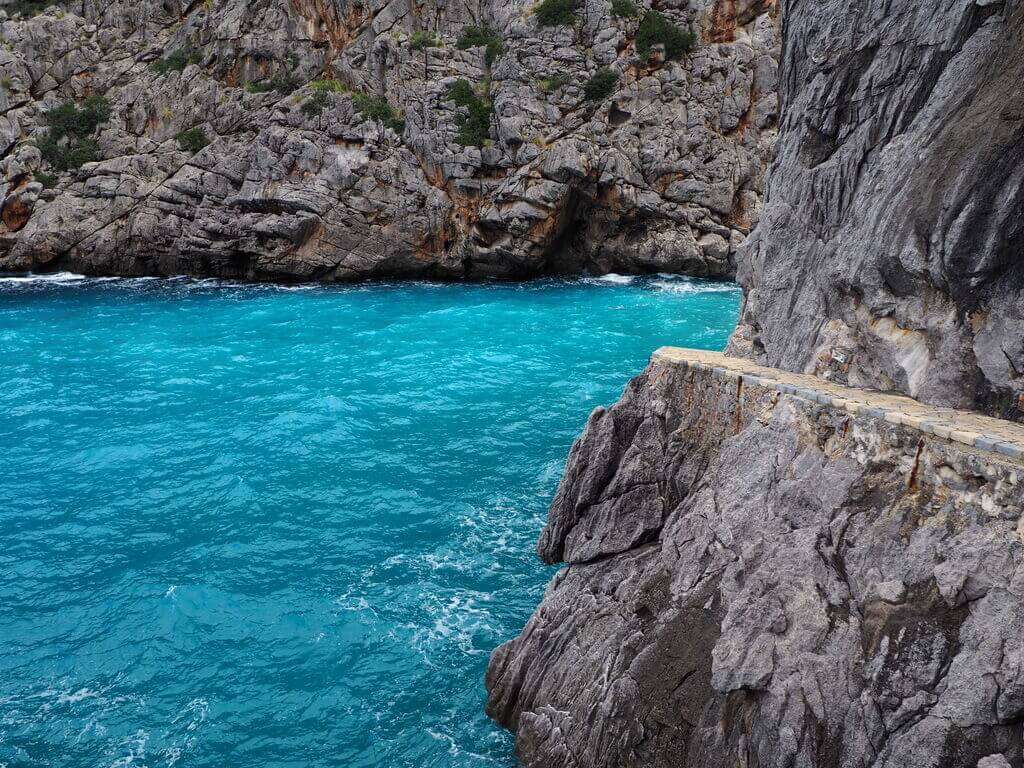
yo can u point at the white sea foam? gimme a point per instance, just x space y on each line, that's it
617 279
55 277
456 751
684 286
136 746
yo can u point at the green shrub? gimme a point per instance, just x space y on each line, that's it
68 155
329 86
553 13
474 127
68 142
283 84
322 90
68 120
377 108
625 9
176 62
655 28
370 107
193 140
422 39
552 82
48 180
601 85
28 7
315 104
473 36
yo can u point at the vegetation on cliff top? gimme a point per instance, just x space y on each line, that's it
423 39
625 9
283 83
369 107
28 7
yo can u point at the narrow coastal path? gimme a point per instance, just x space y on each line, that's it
985 433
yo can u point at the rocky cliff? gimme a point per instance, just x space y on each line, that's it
760 579
337 139
890 255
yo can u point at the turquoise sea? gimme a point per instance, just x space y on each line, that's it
267 526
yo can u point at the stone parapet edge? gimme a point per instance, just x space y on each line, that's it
963 427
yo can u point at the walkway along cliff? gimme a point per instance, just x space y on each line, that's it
811 553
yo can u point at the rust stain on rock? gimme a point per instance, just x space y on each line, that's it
15 213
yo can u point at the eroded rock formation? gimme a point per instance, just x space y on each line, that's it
890 255
663 175
756 580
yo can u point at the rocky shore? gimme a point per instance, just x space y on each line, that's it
335 140
756 577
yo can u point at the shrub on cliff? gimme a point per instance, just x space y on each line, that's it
377 108
601 85
28 7
69 142
193 140
655 28
48 180
474 127
553 13
322 89
473 36
553 82
422 39
625 9
176 62
283 84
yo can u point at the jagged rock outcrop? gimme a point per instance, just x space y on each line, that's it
757 580
890 252
663 175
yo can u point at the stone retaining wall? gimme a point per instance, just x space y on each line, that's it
964 427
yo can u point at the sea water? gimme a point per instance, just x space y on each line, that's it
261 526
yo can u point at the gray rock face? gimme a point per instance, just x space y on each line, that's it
663 175
757 580
889 253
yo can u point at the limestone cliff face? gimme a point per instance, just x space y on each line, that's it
757 580
890 253
664 174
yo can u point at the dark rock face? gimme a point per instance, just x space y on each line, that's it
663 175
755 580
889 254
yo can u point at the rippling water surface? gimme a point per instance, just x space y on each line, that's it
260 526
